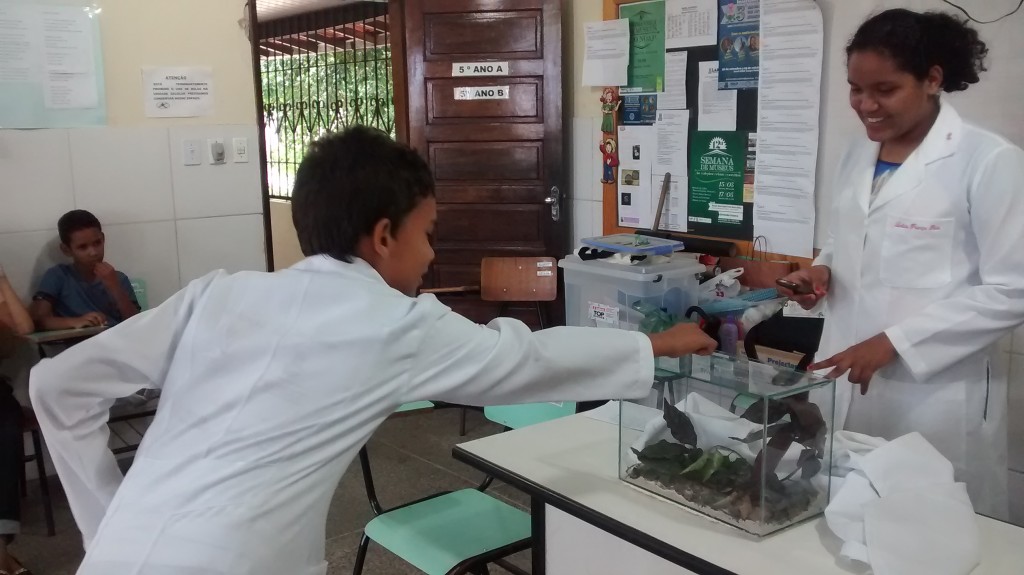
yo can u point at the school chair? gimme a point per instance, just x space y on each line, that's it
508 281
141 295
462 531
31 426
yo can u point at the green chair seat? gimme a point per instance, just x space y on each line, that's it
414 406
437 534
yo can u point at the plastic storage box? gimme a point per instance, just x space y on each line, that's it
745 443
603 294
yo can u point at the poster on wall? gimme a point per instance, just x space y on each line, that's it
51 67
739 44
646 47
177 92
717 168
639 110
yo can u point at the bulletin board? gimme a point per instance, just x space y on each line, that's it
51 67
746 121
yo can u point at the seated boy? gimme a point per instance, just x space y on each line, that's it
88 291
272 382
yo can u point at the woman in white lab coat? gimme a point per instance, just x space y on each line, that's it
924 268
272 382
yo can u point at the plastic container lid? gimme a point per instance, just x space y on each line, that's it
636 272
634 244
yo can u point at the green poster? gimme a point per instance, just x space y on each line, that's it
717 164
646 47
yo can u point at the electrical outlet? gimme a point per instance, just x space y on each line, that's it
240 149
218 155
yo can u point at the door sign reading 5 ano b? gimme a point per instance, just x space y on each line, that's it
479 69
482 93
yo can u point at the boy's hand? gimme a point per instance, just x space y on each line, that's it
106 274
682 339
814 283
91 319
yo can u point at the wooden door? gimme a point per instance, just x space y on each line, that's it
494 142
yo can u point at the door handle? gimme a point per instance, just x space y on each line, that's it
554 200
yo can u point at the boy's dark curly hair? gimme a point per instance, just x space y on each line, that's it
917 41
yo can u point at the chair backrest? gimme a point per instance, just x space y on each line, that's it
517 416
518 279
139 287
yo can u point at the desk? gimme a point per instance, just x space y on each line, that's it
64 335
571 464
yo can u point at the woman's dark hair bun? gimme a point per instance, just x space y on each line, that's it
917 41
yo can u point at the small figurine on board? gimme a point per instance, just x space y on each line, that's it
609 159
609 105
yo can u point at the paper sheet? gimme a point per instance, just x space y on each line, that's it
19 53
177 92
673 214
716 108
690 23
70 81
672 129
787 145
674 97
637 149
607 53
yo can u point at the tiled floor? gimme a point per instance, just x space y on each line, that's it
410 456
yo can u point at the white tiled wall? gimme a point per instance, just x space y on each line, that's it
586 179
166 223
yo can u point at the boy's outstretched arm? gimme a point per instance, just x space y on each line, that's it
73 392
504 362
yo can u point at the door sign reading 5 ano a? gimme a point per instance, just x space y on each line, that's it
482 93
479 69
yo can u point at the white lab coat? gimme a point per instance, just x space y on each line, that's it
271 383
937 263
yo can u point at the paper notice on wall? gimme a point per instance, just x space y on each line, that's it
48 47
673 213
606 58
637 150
672 130
787 141
690 23
177 92
716 108
674 97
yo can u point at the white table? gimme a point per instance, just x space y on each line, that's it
571 464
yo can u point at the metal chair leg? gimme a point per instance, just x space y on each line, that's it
540 314
462 422
364 544
44 484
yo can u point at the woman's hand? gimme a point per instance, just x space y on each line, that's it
682 339
814 285
861 360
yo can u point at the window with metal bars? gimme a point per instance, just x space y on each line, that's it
322 72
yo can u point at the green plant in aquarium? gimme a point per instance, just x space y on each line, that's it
721 479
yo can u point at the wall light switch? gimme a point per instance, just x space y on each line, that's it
192 152
218 155
240 148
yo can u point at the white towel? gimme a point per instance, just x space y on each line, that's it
900 511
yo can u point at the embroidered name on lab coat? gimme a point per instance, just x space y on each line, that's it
918 228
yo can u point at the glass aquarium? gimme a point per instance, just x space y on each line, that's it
742 442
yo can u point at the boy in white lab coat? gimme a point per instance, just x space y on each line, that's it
272 382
